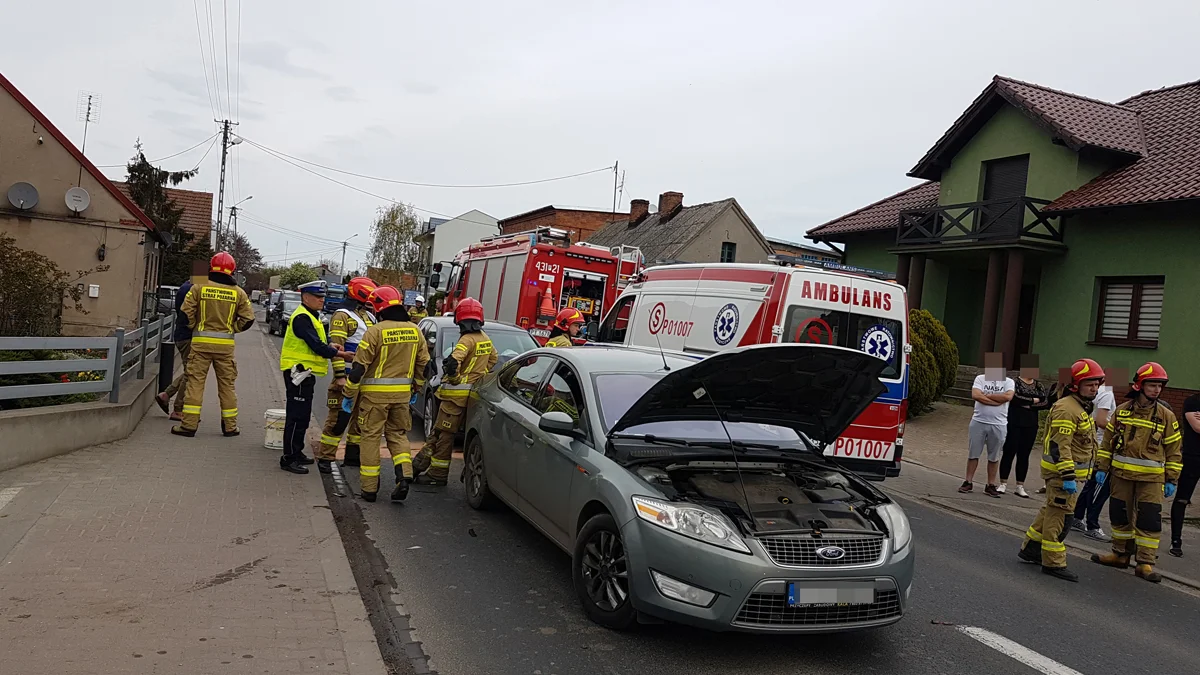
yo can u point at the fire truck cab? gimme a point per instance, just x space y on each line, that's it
526 278
702 309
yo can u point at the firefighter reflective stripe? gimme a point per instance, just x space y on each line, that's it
212 337
369 471
1136 465
386 384
1122 534
1175 437
1033 534
1083 470
455 390
1174 466
353 439
440 463
1146 542
402 458
1135 422
330 440
1054 546
1103 454
232 412
191 410
1065 425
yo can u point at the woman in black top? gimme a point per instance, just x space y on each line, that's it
1030 397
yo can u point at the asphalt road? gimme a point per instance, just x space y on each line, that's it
487 593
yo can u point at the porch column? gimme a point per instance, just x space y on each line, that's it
903 262
991 303
1012 303
916 280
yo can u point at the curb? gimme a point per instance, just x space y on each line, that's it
1170 576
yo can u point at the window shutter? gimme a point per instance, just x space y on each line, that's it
1150 312
1118 304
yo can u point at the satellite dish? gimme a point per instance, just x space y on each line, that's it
23 196
78 199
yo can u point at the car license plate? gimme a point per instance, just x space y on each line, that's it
860 448
803 594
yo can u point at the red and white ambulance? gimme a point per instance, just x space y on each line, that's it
702 309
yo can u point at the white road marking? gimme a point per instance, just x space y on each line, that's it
1021 653
7 495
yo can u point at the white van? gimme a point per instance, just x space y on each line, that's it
702 309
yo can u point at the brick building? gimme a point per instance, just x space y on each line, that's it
581 223
808 253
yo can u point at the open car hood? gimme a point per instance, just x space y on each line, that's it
816 390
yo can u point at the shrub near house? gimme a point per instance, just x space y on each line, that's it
934 361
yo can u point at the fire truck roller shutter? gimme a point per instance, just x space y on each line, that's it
511 286
491 288
475 278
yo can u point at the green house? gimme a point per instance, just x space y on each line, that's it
1052 224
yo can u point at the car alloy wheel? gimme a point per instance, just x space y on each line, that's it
478 494
605 571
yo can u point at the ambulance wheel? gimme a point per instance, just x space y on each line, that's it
478 494
430 413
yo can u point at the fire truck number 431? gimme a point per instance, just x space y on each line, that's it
549 268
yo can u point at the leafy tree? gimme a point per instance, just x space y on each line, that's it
248 258
332 265
298 273
177 261
392 247
147 187
33 290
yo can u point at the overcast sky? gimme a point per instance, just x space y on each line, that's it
801 110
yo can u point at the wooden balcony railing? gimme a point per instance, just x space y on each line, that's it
998 220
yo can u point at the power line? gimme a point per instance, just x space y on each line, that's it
212 50
237 92
433 185
202 158
302 254
225 33
162 159
203 64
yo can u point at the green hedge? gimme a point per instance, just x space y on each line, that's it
934 365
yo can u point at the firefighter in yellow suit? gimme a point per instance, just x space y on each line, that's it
1067 459
347 327
418 311
390 359
216 309
472 358
1143 452
566 326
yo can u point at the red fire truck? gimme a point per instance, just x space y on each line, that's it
525 278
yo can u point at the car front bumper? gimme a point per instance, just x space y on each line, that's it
752 590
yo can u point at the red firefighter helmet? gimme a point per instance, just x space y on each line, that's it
468 308
383 297
1085 369
1149 372
223 263
360 289
567 317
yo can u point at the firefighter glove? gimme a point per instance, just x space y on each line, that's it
347 404
413 400
1070 486
450 366
1101 477
1169 490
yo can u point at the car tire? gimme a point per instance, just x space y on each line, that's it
600 572
478 494
430 415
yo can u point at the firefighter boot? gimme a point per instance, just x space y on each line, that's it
368 496
178 430
426 479
324 466
1031 553
1112 559
1061 573
400 492
351 457
1147 572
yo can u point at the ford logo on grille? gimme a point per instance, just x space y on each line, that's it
831 553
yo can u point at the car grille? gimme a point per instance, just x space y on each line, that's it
770 609
793 551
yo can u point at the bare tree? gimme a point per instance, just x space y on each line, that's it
392 246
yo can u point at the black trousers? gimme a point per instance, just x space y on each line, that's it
299 414
1183 495
1017 444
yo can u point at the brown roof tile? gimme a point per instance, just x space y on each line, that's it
1170 169
657 240
197 209
882 215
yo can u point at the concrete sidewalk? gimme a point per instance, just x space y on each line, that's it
935 459
167 554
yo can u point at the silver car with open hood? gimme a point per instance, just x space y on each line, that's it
695 491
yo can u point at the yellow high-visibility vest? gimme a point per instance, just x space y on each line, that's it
296 351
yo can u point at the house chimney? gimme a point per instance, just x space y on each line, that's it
638 209
668 203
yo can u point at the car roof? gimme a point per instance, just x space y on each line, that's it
619 358
448 322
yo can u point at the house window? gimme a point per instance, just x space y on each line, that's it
728 251
1130 311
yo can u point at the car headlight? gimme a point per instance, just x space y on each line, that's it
691 521
897 524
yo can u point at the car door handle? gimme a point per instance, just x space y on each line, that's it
528 439
490 412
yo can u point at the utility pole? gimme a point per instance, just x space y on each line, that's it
616 173
225 144
342 269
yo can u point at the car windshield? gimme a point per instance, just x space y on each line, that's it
290 296
618 391
508 343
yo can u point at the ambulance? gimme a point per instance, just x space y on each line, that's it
702 309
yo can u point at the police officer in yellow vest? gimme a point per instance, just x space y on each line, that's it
346 329
1070 451
215 310
390 359
1143 452
304 357
472 358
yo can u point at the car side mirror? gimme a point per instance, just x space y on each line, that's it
559 423
593 331
435 279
